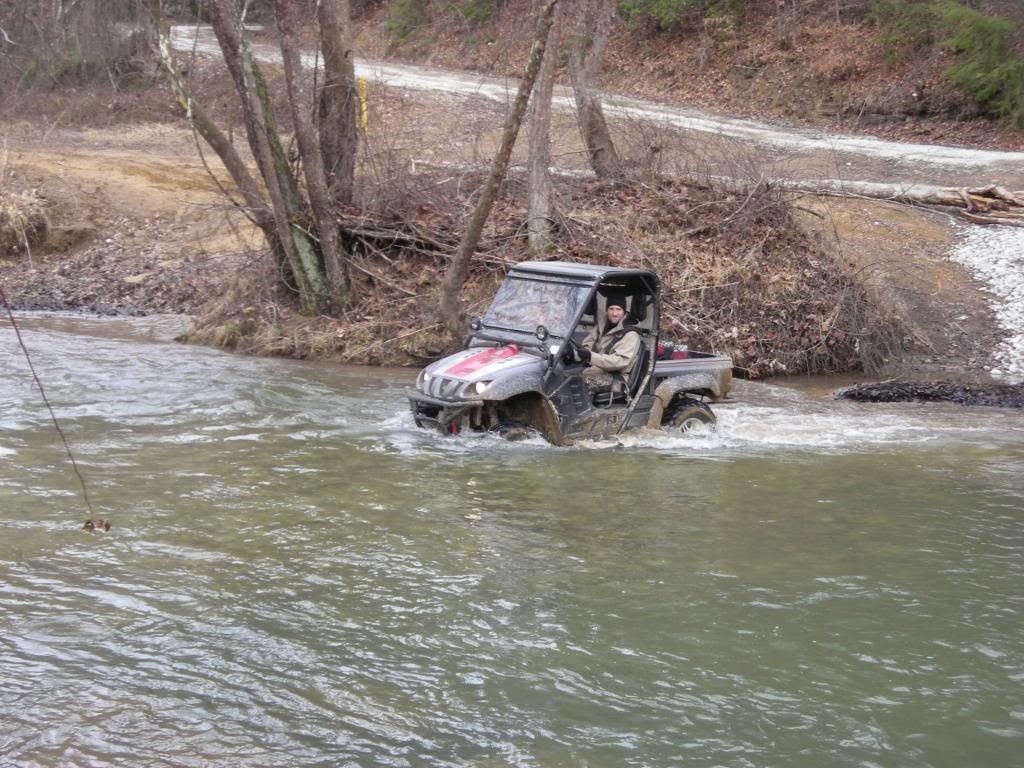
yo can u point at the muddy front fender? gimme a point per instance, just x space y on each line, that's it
536 411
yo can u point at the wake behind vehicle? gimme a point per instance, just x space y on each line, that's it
518 373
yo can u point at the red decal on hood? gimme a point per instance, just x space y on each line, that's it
482 359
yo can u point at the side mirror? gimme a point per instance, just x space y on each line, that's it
541 333
475 324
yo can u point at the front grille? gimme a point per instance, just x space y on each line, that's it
443 388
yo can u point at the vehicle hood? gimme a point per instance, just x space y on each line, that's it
485 364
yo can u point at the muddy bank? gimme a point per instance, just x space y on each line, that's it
897 391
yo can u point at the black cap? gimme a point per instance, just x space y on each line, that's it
616 300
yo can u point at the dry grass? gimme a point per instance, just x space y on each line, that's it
23 223
23 220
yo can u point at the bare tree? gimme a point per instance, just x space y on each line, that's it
588 45
339 99
450 312
538 221
297 214
43 41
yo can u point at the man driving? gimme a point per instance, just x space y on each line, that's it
611 348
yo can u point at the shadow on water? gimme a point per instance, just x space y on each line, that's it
297 576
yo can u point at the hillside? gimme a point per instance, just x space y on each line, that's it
805 66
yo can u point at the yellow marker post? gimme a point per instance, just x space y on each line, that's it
363 115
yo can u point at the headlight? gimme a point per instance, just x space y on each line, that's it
422 380
481 386
554 349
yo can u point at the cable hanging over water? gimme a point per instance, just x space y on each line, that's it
93 523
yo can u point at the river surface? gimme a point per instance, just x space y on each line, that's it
296 576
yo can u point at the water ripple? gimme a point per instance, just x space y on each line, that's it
297 576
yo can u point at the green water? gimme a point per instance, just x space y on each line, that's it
298 577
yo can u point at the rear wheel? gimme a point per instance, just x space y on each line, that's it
690 415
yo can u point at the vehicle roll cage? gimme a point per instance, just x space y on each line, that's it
597 281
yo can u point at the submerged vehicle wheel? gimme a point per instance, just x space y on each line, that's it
514 431
690 415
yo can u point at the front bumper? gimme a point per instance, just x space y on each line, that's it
433 413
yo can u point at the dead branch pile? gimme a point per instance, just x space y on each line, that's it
739 276
23 222
895 390
742 277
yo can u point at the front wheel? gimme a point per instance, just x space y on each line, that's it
514 431
690 416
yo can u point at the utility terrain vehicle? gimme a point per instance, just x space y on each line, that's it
516 375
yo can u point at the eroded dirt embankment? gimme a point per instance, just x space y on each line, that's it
136 224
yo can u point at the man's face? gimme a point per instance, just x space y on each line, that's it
615 313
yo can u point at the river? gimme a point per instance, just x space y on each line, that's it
296 576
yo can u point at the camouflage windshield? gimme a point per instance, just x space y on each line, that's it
522 305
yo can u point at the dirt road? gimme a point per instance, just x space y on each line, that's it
715 140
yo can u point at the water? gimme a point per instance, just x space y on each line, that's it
298 577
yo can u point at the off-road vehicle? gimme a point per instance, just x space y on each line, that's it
518 375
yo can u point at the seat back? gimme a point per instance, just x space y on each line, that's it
639 369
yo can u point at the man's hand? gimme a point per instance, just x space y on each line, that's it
584 355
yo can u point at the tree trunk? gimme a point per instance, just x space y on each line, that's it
538 221
255 206
299 220
589 43
450 311
293 242
339 100
301 100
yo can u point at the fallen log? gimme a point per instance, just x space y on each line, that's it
972 199
978 205
990 204
896 390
